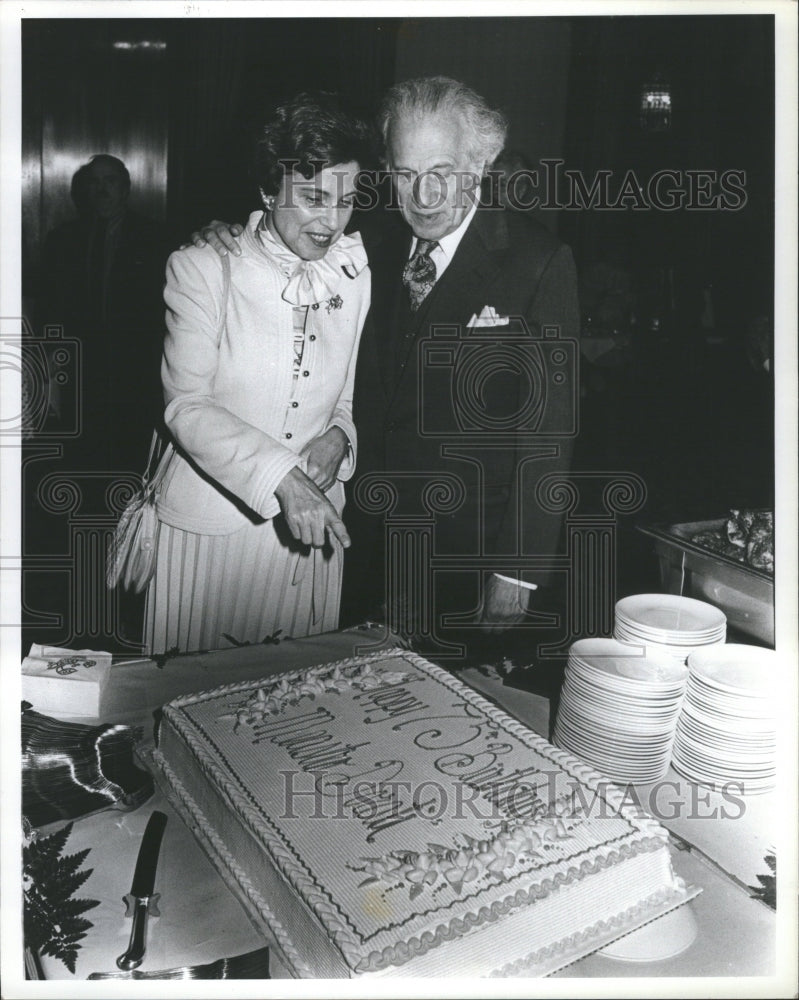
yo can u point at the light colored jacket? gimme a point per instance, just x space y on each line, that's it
236 414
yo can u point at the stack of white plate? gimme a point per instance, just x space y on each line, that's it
674 625
619 706
726 731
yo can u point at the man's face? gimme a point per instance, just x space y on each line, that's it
107 191
435 179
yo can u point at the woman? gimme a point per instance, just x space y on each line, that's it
257 373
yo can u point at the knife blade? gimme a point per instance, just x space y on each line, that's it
141 900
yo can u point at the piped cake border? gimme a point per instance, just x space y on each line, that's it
653 834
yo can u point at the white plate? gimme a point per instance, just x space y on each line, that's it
725 727
630 632
750 785
730 741
632 699
662 644
733 705
671 613
735 668
601 746
613 771
720 769
620 660
621 688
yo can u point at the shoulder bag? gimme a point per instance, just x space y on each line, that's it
131 557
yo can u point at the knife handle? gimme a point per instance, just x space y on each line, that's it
139 909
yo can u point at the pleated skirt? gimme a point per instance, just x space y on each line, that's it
214 591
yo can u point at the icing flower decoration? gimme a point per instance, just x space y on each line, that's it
393 677
315 682
459 865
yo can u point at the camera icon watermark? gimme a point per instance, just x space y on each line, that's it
498 378
41 381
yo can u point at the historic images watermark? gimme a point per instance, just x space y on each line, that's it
68 514
49 373
497 401
556 187
550 186
518 796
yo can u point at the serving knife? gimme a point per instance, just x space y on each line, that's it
141 900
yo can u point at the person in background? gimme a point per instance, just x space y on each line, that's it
102 282
452 261
258 375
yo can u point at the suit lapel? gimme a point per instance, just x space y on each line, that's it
458 294
389 297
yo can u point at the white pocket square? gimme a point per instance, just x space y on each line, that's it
488 317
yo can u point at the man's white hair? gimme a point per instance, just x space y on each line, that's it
440 95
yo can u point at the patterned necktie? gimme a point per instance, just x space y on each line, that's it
419 274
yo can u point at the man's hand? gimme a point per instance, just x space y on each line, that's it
311 517
220 236
324 456
504 604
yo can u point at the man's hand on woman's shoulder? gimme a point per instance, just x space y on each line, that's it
220 236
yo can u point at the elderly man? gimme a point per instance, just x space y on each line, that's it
466 376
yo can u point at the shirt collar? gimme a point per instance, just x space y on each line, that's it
449 243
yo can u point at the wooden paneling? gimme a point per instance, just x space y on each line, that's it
518 64
83 95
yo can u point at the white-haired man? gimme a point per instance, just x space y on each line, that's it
453 377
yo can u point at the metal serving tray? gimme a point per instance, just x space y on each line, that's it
744 594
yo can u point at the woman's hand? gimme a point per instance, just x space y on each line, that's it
311 517
324 456
220 236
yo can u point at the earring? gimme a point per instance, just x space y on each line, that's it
269 203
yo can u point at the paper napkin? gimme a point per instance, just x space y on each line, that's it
65 682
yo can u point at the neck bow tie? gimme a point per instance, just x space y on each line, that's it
312 281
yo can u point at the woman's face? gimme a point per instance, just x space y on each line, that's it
310 215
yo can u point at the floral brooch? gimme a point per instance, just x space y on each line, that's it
335 303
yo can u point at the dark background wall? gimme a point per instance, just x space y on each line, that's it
519 64
180 113
720 70
680 402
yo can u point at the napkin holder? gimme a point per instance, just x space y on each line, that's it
65 682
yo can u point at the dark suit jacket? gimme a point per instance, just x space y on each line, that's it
503 397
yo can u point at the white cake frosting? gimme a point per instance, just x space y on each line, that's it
378 817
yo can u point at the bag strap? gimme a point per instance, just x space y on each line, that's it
153 458
225 296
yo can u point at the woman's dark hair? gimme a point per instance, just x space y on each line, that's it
308 133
